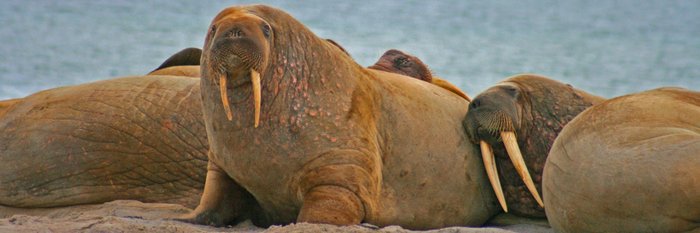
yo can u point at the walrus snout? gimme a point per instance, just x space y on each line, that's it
241 44
237 47
494 111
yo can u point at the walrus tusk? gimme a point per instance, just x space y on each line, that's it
224 96
255 79
511 144
492 172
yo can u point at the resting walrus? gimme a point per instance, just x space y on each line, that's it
629 164
528 110
301 132
128 138
396 61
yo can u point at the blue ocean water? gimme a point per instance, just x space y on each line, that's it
608 48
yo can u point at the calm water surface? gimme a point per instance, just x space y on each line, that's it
608 48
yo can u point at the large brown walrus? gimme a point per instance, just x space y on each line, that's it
399 62
128 138
300 132
517 120
629 164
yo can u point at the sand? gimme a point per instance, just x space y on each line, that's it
134 216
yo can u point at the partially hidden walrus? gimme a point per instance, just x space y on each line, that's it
399 62
629 164
128 138
183 63
517 120
299 131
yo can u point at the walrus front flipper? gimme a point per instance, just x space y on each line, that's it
450 87
186 57
331 204
223 202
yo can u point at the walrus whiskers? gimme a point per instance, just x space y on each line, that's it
509 140
224 96
492 172
255 79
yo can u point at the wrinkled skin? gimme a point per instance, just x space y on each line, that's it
399 62
536 109
332 144
629 164
129 138
183 63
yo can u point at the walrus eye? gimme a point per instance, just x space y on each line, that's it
402 62
266 30
212 30
512 91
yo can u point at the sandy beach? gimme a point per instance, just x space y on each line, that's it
134 216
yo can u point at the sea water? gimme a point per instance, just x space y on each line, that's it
609 48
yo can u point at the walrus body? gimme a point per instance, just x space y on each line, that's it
315 137
128 138
629 164
535 109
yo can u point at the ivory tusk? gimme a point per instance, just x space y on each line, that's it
224 96
255 79
492 172
511 143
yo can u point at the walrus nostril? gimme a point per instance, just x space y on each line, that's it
402 62
235 33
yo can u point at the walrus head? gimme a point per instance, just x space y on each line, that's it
237 49
526 109
396 61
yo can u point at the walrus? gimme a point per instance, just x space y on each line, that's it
183 63
299 131
525 112
629 164
397 61
127 138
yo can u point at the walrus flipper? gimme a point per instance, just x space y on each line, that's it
450 87
186 57
223 201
